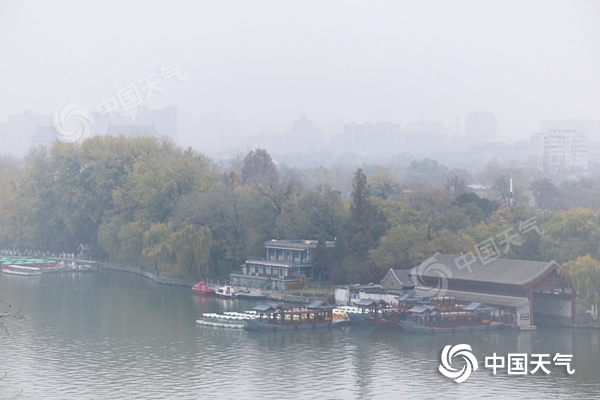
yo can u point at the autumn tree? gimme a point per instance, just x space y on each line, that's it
584 275
259 168
11 176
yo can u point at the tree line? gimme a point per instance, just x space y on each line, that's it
148 203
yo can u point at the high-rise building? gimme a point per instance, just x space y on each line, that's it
481 125
591 127
19 130
375 138
560 150
303 136
165 120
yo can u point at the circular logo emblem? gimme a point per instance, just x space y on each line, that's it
72 123
429 271
460 350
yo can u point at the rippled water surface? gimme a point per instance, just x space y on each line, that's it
111 335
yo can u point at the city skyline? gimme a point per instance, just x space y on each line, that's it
260 65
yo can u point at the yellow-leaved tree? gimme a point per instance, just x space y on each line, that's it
584 275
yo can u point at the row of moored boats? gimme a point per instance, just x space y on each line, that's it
414 314
12 265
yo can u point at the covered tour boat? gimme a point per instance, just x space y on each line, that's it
433 319
271 317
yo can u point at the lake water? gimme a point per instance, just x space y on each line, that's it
112 335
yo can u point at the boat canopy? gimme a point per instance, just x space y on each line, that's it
321 305
371 303
420 308
477 307
406 297
268 308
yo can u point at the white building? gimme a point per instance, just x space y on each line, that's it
591 127
560 150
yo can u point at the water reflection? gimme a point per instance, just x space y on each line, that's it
112 335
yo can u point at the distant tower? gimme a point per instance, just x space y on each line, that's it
481 125
511 198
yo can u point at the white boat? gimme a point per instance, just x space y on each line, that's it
230 319
226 292
21 270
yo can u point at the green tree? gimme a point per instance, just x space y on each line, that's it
398 248
363 217
321 259
570 235
385 185
223 210
312 213
486 206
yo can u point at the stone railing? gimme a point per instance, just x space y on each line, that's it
147 274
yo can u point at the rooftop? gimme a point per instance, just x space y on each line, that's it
296 244
501 270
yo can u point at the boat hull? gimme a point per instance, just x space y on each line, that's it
218 323
257 325
357 319
412 327
21 273
202 288
226 292
225 296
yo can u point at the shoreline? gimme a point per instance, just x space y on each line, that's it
146 274
271 295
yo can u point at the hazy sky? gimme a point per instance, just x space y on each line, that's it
262 62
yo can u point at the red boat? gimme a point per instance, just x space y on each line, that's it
202 288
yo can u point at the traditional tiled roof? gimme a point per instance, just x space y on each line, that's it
268 308
321 305
501 270
496 300
418 309
371 303
403 276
